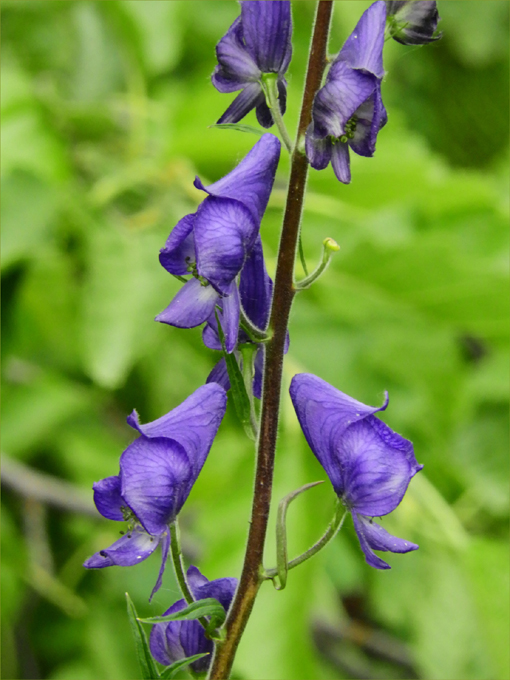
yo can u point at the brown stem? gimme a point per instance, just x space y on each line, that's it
251 576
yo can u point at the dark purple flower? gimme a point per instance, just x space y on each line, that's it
348 111
413 23
258 42
368 464
175 640
214 243
157 473
255 288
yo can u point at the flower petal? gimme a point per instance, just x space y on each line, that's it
337 101
256 287
259 371
225 232
236 66
192 305
340 162
193 424
176 640
196 580
363 48
251 181
156 477
371 558
371 116
164 641
165 546
179 250
318 149
267 30
132 548
380 539
377 465
219 375
229 318
108 499
245 101
324 414
418 21
372 536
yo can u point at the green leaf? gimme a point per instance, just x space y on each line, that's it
170 671
147 665
239 128
122 288
239 393
195 610
26 224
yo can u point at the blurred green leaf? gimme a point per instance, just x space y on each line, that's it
43 400
120 301
25 223
488 568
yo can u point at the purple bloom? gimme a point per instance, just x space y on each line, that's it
157 473
368 464
214 243
256 289
413 23
348 111
175 640
258 42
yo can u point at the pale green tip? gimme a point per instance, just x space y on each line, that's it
331 244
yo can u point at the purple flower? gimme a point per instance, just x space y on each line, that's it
157 473
258 42
214 243
256 289
175 640
368 464
348 111
413 23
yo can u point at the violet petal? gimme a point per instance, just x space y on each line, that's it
340 162
363 48
245 101
193 424
251 181
225 232
108 499
156 476
192 305
179 248
267 30
132 548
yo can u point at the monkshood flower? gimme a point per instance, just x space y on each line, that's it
258 42
348 111
255 289
368 464
413 23
157 473
214 243
175 640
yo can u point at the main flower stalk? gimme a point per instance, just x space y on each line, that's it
284 291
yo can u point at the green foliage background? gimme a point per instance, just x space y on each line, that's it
105 110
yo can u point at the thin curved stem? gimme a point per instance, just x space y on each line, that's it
180 575
329 246
254 333
330 533
270 87
252 574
